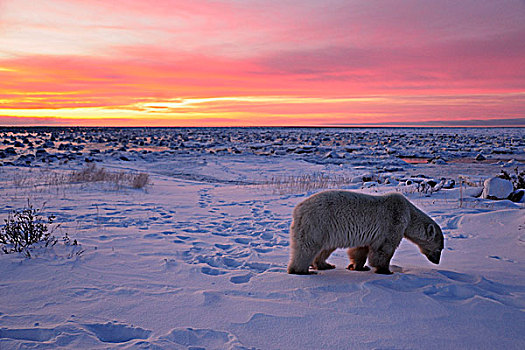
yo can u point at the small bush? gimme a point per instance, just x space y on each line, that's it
25 228
517 179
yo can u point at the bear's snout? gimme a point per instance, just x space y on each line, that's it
434 257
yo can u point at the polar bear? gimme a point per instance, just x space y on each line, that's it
370 226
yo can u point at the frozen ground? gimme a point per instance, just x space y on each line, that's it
198 258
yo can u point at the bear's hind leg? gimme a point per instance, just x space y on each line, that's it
320 260
358 258
380 258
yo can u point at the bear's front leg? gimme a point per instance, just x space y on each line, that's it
301 258
379 257
320 260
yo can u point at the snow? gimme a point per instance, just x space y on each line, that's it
198 259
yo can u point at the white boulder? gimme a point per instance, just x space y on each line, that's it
497 188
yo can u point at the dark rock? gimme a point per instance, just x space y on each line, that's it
304 150
41 152
517 196
432 183
10 151
501 150
437 160
25 159
480 157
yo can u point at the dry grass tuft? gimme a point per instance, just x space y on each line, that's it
91 174
120 179
140 180
306 182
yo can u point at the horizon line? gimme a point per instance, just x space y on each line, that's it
468 123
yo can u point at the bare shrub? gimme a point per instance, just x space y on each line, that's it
24 228
517 179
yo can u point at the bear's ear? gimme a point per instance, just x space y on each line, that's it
431 231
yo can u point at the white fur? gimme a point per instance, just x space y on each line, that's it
372 225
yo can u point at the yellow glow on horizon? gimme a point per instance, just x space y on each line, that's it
193 102
117 114
124 117
236 110
70 113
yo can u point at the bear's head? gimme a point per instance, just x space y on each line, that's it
433 243
427 235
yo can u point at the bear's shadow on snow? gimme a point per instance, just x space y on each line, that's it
451 286
441 285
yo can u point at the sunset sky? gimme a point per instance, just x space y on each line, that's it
262 62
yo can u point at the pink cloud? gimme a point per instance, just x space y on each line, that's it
118 54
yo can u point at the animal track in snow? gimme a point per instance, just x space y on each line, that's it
241 279
229 242
31 334
496 257
65 334
211 271
192 338
117 333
